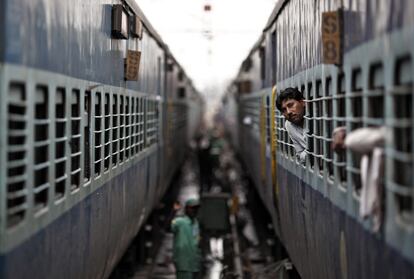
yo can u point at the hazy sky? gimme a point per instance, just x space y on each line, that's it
209 45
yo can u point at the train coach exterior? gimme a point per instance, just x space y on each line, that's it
315 206
84 154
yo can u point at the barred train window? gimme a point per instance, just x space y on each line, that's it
75 140
87 136
355 99
133 124
60 143
311 125
319 131
121 129
328 122
107 132
41 148
141 123
16 154
340 105
402 124
98 133
127 129
136 126
114 129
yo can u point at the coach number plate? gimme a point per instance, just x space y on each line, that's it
331 37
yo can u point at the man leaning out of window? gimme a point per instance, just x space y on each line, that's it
291 104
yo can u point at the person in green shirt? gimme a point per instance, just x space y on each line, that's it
186 253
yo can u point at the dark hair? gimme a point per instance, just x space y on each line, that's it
288 93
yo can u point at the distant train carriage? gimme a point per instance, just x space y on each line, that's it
363 77
87 148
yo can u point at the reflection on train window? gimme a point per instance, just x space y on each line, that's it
98 133
41 148
75 141
16 154
402 153
60 143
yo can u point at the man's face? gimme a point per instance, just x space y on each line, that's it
293 110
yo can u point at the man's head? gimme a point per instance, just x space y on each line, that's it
291 104
191 207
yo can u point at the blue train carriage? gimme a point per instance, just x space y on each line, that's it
84 88
315 206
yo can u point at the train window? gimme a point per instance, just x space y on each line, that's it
121 129
136 133
98 133
355 97
375 96
133 125
180 75
262 56
127 133
87 137
60 143
141 123
115 129
268 128
319 123
107 132
41 148
75 141
274 53
310 124
340 105
328 122
402 153
181 92
16 154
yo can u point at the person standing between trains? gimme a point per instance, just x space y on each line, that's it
291 104
186 253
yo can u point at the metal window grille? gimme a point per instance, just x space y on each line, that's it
115 129
136 126
107 132
400 152
310 114
127 128
354 104
121 129
16 154
87 137
41 148
141 124
98 133
60 143
75 152
340 121
328 126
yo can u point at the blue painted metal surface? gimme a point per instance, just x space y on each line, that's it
88 239
312 227
74 38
